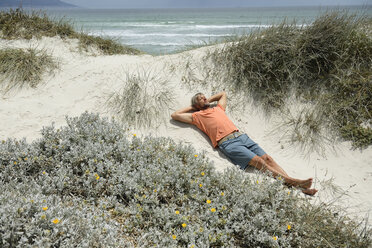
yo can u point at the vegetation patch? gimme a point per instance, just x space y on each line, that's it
20 24
90 183
19 68
143 101
327 63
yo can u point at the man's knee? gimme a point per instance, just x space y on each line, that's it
257 162
267 158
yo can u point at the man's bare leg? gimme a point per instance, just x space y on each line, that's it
260 164
271 163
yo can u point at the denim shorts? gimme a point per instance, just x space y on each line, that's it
241 150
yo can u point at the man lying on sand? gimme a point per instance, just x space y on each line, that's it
237 146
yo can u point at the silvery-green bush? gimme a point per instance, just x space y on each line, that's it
91 184
32 219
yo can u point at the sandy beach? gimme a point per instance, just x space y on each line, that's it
84 81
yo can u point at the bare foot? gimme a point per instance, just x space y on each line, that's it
304 184
310 192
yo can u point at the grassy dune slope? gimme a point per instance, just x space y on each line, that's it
19 68
327 64
19 24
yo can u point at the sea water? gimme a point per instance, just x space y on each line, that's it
164 31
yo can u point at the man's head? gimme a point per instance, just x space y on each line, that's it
199 101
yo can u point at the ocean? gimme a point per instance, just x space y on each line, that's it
165 31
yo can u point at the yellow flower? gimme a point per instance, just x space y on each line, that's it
257 182
275 238
280 178
213 210
209 201
196 155
26 159
155 190
202 173
289 192
224 208
15 162
200 185
32 201
201 229
192 246
44 172
177 212
55 221
43 217
134 135
289 227
45 208
184 225
222 194
97 176
174 236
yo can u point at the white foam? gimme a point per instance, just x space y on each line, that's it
130 34
153 43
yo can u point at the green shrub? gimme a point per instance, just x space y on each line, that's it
106 189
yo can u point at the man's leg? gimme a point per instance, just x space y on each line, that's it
260 164
271 163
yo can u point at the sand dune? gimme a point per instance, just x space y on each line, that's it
83 83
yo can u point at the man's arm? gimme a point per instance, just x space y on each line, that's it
183 115
220 97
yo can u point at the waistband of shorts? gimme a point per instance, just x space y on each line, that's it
229 137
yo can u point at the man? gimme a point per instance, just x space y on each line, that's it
238 147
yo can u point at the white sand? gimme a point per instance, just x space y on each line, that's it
83 83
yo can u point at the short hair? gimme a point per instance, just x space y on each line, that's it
194 99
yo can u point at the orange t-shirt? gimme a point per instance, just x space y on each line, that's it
214 122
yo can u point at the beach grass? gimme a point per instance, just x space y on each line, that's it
327 63
92 183
144 99
20 24
304 129
20 68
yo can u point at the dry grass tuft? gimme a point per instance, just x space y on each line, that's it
143 101
20 68
304 129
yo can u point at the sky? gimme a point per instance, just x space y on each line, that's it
209 3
